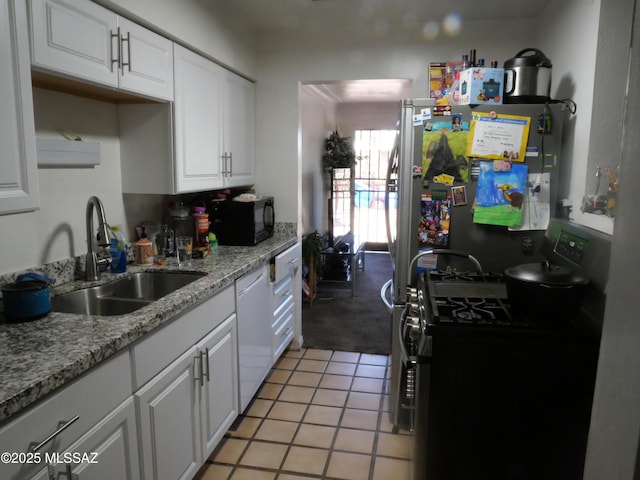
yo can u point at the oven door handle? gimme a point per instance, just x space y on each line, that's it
407 360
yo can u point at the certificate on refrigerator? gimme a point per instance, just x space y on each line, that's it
498 137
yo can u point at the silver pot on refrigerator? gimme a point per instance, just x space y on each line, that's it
527 77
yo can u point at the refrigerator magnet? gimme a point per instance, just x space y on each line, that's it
459 195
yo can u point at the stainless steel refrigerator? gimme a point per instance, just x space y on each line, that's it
495 246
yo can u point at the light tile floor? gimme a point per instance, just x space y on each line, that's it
319 414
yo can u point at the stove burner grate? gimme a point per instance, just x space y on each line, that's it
471 311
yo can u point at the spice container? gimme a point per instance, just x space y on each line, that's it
144 251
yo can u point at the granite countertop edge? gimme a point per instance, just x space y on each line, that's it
41 356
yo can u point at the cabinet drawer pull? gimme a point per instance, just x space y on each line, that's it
63 425
286 333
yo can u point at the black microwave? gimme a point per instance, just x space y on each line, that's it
243 222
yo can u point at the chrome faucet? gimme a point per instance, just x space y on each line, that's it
93 264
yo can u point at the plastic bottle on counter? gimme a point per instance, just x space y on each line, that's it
213 241
118 250
201 228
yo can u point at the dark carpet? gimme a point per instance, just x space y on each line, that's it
338 321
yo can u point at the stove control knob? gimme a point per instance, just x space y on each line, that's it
413 323
412 295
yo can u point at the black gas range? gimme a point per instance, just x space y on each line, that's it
498 394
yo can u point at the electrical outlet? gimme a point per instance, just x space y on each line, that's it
527 245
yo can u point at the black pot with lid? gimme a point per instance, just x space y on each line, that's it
545 289
527 77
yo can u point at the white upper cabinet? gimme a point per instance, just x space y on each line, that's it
239 131
146 61
18 162
82 40
199 97
203 141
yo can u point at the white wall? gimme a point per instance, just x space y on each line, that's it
613 449
57 230
571 40
317 117
367 116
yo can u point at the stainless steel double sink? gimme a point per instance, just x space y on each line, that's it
124 295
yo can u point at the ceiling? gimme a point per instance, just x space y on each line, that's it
353 91
312 14
303 14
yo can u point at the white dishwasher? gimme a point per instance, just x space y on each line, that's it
254 331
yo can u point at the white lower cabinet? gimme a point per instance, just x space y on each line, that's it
41 475
283 316
286 299
109 450
169 412
219 394
185 410
185 377
96 413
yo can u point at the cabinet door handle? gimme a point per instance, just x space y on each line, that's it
230 164
201 377
68 473
128 40
206 362
63 425
224 157
118 49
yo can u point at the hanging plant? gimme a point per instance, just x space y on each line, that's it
338 152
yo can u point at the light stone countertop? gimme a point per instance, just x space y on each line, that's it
41 356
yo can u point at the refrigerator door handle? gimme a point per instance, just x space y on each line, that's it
383 294
393 164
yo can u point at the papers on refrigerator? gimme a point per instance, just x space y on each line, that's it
536 209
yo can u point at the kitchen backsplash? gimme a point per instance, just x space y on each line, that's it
71 269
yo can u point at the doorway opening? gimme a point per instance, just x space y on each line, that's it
373 150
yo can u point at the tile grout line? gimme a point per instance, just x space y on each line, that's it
279 398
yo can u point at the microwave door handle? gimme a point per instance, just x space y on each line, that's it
268 225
